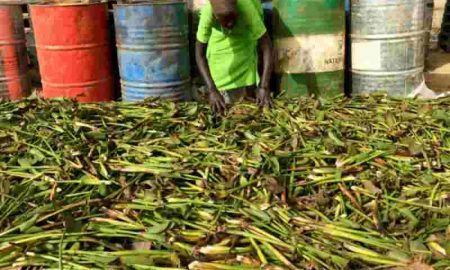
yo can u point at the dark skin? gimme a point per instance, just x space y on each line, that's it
216 100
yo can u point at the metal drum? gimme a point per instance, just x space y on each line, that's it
309 38
74 51
14 82
153 50
388 39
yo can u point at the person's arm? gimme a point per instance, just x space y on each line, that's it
216 100
263 94
202 63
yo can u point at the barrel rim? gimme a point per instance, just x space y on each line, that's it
151 3
53 5
11 3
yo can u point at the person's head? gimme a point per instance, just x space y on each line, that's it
225 12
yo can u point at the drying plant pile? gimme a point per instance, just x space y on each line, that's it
350 184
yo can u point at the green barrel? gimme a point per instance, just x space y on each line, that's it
309 40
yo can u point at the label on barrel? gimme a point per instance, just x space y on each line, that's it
310 53
366 55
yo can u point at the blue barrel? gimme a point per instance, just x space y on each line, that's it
153 50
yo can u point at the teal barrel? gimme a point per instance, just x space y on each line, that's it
153 49
309 40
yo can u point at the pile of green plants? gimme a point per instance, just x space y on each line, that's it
350 184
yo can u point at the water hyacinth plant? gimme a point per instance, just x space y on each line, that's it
350 184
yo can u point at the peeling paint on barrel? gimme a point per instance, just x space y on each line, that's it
14 82
309 42
153 50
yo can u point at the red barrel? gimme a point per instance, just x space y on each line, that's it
14 82
74 51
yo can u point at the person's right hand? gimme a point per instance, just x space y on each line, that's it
216 101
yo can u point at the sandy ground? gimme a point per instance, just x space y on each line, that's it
437 75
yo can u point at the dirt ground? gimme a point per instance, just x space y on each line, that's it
437 74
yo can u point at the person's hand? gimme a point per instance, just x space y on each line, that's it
263 97
216 101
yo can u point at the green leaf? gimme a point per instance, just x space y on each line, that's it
409 215
276 164
256 150
96 135
249 135
192 110
320 116
334 138
399 255
38 156
418 246
256 214
103 170
25 162
28 223
154 237
158 228
89 179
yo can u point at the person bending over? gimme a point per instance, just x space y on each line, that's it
232 43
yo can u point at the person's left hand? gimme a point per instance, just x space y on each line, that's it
263 97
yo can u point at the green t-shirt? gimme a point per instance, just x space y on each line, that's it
232 55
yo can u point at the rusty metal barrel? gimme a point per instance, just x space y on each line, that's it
388 39
74 52
153 49
14 82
